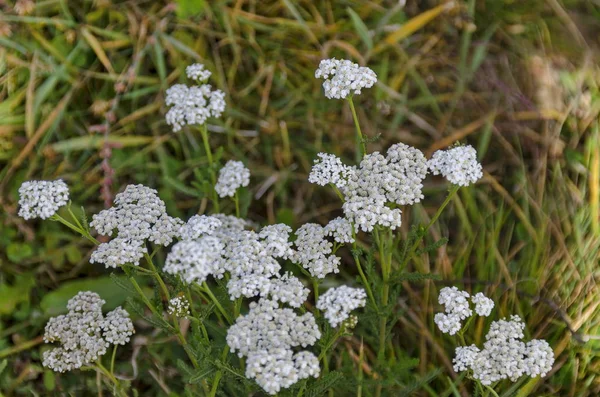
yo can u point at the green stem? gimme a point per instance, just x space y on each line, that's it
75 228
360 270
315 284
415 245
219 374
112 378
112 359
209 156
491 390
337 191
236 199
216 302
359 136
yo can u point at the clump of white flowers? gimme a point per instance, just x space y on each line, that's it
84 333
41 199
380 181
138 215
483 304
505 355
314 252
195 260
344 78
458 165
328 168
194 104
337 303
179 307
267 336
198 226
231 177
341 230
457 308
197 72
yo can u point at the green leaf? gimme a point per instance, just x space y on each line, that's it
49 380
16 252
56 301
324 383
12 295
361 28
201 374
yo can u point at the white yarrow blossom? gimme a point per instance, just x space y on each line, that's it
195 104
198 226
231 177
84 333
138 215
195 260
456 307
344 78
341 230
505 355
42 199
267 336
458 165
197 72
328 168
314 252
337 303
483 304
464 357
179 307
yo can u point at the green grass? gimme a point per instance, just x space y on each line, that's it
75 76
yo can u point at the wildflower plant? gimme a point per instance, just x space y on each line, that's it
252 296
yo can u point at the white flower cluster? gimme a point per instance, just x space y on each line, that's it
457 308
341 230
458 165
505 355
231 177
337 303
84 333
197 72
41 199
267 336
138 215
213 245
195 104
314 252
380 181
328 168
198 226
344 78
179 307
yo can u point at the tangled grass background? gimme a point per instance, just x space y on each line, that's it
82 88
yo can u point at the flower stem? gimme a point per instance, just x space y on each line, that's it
216 302
112 359
359 136
435 217
75 228
213 175
236 199
219 374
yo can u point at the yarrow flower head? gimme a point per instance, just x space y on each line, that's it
267 336
197 72
138 215
483 304
231 177
314 252
179 307
198 226
42 199
380 181
341 230
458 165
456 305
195 260
195 104
505 355
344 78
337 303
328 168
84 333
